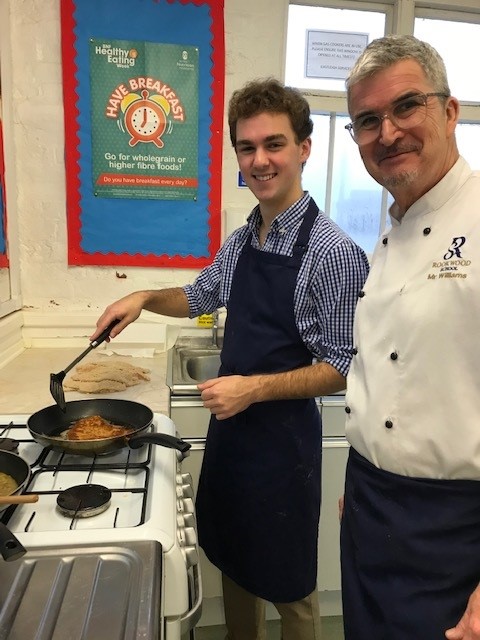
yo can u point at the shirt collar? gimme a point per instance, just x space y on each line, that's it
438 195
284 220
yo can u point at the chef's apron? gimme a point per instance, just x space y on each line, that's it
410 553
258 499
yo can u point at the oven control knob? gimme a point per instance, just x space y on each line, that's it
191 555
188 505
187 490
183 488
189 519
184 478
190 536
187 478
181 522
181 537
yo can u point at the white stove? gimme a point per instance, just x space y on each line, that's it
151 500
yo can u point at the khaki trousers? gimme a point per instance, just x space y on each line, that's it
245 615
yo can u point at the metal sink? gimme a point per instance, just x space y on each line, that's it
190 361
201 365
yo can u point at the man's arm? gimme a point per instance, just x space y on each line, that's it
168 302
228 395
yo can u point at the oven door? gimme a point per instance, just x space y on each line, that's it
81 591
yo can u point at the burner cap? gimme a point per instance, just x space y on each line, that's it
84 500
8 444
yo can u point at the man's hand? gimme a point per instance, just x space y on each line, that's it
468 628
228 395
125 310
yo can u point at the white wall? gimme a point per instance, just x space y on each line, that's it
35 143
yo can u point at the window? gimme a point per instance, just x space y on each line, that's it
336 178
459 45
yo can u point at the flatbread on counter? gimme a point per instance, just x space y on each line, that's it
105 377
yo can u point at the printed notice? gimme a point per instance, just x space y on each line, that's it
331 54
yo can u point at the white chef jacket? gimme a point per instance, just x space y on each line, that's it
413 389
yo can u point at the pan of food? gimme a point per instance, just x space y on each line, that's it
99 426
14 476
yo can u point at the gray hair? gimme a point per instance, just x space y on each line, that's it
384 52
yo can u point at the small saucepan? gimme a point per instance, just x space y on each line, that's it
16 467
50 426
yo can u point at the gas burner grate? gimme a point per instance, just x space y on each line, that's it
129 502
9 444
129 459
12 425
26 447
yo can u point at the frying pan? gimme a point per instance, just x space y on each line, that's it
19 469
49 426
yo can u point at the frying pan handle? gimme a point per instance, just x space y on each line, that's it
10 547
159 438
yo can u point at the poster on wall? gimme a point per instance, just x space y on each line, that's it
144 100
143 89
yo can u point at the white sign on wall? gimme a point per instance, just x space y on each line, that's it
331 54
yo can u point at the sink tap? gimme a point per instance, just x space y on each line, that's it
215 329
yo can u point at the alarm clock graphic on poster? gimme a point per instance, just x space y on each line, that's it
146 119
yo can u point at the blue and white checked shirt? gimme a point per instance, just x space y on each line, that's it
332 273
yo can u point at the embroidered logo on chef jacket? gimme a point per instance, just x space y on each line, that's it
454 249
453 264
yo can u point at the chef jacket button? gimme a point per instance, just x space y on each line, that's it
426 231
394 355
354 351
388 424
348 410
385 241
361 294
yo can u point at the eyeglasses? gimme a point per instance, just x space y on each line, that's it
404 114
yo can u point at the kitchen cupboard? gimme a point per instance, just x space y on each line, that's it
191 420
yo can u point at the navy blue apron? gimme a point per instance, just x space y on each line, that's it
410 553
258 499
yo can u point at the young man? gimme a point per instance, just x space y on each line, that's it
411 525
289 279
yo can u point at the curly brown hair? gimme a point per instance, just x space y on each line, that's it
259 96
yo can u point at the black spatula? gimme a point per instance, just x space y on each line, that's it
56 379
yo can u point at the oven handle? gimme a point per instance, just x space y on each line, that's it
193 615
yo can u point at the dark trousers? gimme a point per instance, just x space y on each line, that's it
410 551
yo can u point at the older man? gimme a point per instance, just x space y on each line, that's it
411 523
